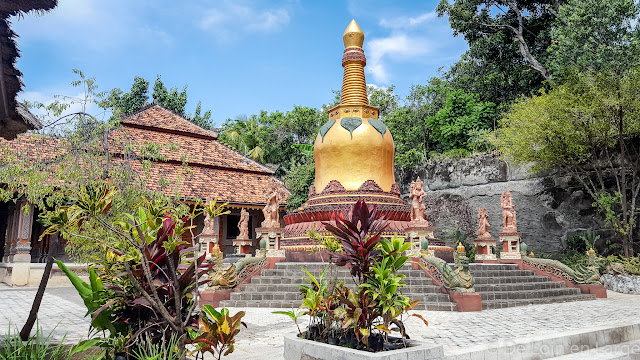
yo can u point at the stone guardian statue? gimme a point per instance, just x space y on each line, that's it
509 224
270 211
243 225
417 194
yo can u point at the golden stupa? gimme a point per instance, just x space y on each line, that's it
354 146
354 159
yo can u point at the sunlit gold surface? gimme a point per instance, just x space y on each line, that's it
366 156
353 35
353 161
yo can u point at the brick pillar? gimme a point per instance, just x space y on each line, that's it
12 235
4 224
23 240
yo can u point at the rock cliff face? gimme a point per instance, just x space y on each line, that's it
549 209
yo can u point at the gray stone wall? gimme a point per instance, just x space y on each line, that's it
549 209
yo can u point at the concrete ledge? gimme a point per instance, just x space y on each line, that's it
550 346
296 348
30 274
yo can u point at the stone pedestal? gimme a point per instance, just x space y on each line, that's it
207 243
510 245
417 234
243 245
270 238
485 250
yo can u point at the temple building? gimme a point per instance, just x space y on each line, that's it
213 171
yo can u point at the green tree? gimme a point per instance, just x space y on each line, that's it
74 151
596 36
202 120
461 115
494 71
246 135
123 103
523 23
171 99
589 128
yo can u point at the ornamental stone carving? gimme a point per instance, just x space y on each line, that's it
483 224
208 225
243 225
271 209
417 194
509 224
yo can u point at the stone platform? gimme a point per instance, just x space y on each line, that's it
600 328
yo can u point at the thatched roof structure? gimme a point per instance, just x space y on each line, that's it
14 116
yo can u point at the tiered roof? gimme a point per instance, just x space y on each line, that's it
191 159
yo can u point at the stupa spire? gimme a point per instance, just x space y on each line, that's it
354 85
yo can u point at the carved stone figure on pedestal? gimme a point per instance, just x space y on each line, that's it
417 194
509 236
509 223
270 211
483 224
208 225
243 225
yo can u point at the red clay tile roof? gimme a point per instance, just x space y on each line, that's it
158 117
31 147
181 148
214 170
202 182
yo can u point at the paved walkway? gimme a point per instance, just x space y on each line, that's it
62 312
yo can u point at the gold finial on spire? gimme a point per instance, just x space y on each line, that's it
353 35
354 86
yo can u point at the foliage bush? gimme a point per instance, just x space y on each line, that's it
38 347
361 318
144 293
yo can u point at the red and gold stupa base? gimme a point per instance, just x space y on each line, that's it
334 199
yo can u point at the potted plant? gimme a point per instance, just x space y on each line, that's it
358 321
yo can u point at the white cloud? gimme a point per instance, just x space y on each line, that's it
408 22
394 47
229 18
95 26
85 24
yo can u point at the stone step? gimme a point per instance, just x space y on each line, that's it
481 266
498 304
419 281
340 273
629 350
519 286
511 279
292 296
528 294
251 287
501 273
283 304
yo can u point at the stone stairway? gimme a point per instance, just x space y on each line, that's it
278 288
499 285
504 285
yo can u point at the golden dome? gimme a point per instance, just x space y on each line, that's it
354 146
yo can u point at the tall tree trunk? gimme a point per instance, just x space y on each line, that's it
33 314
26 329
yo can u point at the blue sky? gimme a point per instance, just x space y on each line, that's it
237 56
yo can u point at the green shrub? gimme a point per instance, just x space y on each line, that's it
631 265
38 347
